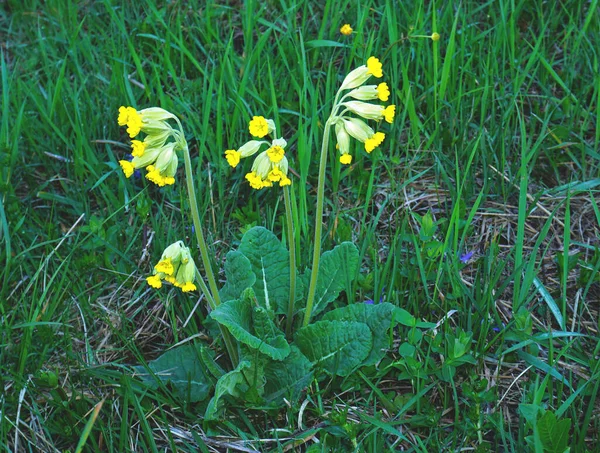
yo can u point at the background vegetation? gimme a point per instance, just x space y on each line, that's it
479 213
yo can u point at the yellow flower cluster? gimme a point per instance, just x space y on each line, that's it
345 126
176 266
154 153
346 30
270 166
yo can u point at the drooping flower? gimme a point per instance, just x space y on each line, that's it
150 120
176 266
359 130
360 75
346 30
159 162
370 92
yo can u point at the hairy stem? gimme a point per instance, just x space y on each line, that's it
318 225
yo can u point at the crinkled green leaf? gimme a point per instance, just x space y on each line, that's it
270 264
183 369
554 433
337 270
337 346
237 316
379 319
240 276
232 383
287 379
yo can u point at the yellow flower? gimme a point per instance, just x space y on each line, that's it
389 112
258 126
435 37
165 266
275 153
383 92
176 266
163 170
374 141
233 157
285 181
128 167
130 117
150 120
137 148
346 159
346 30
154 281
374 67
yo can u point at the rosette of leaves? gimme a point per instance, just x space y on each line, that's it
254 299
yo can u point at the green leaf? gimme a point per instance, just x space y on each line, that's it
337 270
239 276
232 383
238 317
553 434
183 369
379 319
270 263
288 378
337 346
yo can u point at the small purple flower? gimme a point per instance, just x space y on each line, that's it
369 302
465 257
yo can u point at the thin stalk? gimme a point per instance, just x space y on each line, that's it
318 224
216 301
292 245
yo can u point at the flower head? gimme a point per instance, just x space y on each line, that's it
435 37
359 130
176 266
158 157
346 30
389 112
150 120
360 75
258 126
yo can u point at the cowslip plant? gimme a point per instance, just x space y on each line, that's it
263 293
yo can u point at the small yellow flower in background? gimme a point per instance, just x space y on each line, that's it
435 37
346 30
176 266
258 126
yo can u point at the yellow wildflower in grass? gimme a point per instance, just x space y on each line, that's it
137 148
389 112
233 157
258 126
128 167
176 266
374 141
374 67
154 281
150 120
346 30
383 92
275 153
363 133
346 159
435 37
265 171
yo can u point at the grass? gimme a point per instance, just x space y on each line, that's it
495 151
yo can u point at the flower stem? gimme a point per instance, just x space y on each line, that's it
292 246
216 301
318 224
